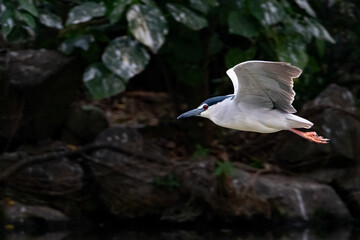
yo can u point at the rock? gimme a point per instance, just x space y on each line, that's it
333 117
344 180
284 197
59 177
141 108
84 123
62 183
272 197
32 216
334 97
127 182
35 94
145 183
31 68
255 233
333 114
59 235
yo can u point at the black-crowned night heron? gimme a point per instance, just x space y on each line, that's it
263 94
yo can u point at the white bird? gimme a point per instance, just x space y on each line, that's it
262 101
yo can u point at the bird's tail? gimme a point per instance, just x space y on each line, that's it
298 122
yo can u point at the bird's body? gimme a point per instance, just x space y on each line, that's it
261 101
253 119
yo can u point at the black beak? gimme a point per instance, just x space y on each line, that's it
192 113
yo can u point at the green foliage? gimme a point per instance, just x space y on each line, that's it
81 41
243 24
118 38
203 5
224 169
186 16
236 55
306 6
50 20
256 163
293 51
148 25
101 82
168 182
29 6
125 57
200 151
115 9
85 12
268 12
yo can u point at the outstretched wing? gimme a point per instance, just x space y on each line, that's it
265 84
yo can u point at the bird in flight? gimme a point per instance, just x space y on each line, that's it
262 101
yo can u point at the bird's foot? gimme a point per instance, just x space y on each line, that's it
311 136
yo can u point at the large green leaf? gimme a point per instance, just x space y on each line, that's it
318 30
20 34
306 6
27 18
125 57
7 22
203 5
115 9
186 16
320 45
85 12
148 25
82 41
243 24
50 20
268 12
29 6
295 26
293 51
102 83
236 55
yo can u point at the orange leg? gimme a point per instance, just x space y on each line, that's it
311 136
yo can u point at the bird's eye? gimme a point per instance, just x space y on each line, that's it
205 107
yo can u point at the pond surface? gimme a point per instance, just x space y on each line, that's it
210 234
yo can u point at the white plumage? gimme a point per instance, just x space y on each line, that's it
262 101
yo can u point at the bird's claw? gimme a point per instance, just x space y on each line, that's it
313 137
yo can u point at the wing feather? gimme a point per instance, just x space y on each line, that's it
265 84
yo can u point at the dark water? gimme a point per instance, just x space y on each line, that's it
210 234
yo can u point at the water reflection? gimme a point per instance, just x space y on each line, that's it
341 234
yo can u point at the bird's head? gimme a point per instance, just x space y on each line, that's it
205 108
